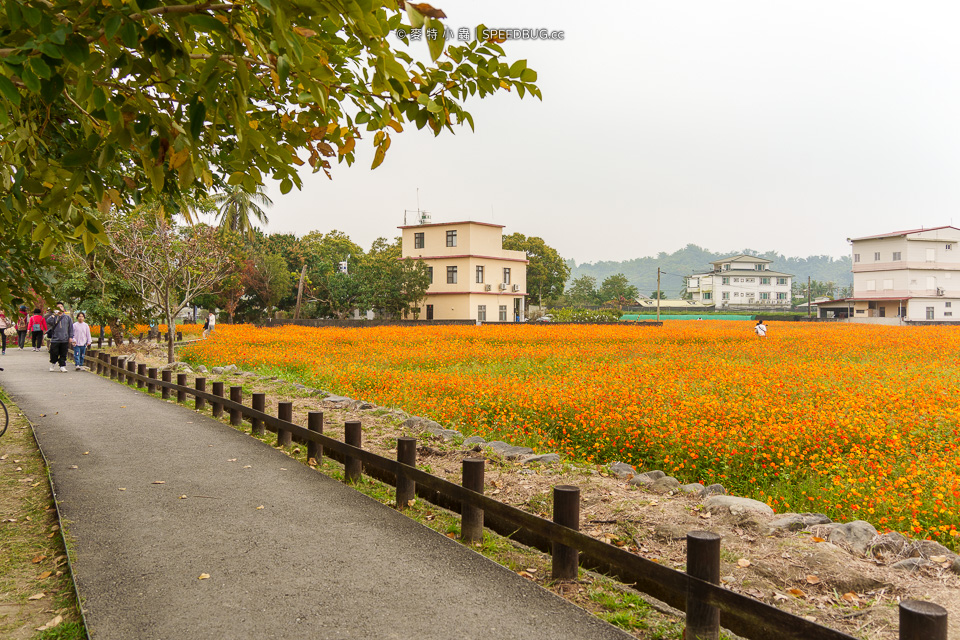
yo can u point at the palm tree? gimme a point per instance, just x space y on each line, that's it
237 208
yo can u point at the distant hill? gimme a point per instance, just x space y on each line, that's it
642 272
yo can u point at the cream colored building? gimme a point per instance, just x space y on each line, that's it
473 276
905 276
742 282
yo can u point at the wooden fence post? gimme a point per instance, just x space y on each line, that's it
165 376
201 385
182 390
217 406
179 336
142 371
236 395
406 487
315 424
703 562
259 403
110 341
471 517
352 467
131 372
566 512
115 362
920 620
151 375
100 358
285 413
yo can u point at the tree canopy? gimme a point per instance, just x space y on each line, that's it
546 273
107 104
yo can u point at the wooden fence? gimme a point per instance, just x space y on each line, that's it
697 591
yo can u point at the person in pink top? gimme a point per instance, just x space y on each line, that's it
81 339
37 325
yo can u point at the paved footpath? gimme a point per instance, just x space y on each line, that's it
319 560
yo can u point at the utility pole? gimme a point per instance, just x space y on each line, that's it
809 305
658 294
303 273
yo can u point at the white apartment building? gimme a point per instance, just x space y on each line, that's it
742 282
905 276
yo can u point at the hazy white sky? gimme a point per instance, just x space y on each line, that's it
768 125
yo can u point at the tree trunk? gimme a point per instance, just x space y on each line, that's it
171 337
117 330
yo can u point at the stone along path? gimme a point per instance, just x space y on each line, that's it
153 495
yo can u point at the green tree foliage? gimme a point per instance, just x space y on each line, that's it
390 285
583 291
618 291
546 273
109 104
266 276
237 209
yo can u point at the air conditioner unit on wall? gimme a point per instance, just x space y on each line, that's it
516 287
487 287
940 291
503 286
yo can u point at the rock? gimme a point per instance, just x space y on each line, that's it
694 487
893 543
736 505
186 369
664 485
668 532
927 548
641 480
472 440
507 450
446 434
201 369
912 564
713 490
247 374
170 365
656 474
545 458
299 386
366 406
230 368
333 398
858 535
216 371
622 470
798 521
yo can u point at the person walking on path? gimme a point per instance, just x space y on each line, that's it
21 326
4 325
760 329
81 339
37 325
61 334
209 325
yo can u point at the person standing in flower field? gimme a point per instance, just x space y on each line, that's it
209 325
760 329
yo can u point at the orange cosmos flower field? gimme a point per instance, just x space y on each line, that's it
855 421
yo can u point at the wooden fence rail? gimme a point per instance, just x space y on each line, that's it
697 592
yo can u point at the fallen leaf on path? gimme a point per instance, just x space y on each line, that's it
797 592
55 527
850 597
159 482
938 558
780 596
73 466
706 515
743 562
260 507
813 580
524 574
232 460
123 489
756 593
50 625
451 535
37 596
123 406
44 575
816 539
182 497
249 465
4 456
38 559
203 576
86 453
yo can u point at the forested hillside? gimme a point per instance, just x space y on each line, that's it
642 272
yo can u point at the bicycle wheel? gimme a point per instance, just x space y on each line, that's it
6 419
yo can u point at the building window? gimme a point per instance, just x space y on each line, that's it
724 280
503 313
452 238
430 273
896 256
948 313
726 267
451 275
948 304
876 257
781 281
856 257
725 295
707 295
764 280
929 313
764 295
418 240
481 313
480 273
782 295
949 247
506 276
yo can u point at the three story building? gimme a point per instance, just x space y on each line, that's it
742 282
